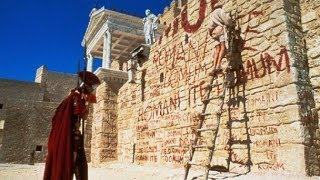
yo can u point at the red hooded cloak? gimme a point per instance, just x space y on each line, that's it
59 162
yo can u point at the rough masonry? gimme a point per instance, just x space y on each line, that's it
270 120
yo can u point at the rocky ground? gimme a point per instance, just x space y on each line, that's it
117 171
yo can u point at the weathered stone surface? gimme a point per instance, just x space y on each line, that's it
105 122
310 24
27 125
56 85
261 117
268 120
26 112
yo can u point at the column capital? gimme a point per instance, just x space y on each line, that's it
108 30
89 62
89 55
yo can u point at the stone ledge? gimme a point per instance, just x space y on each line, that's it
111 75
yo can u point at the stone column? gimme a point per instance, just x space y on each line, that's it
107 44
90 63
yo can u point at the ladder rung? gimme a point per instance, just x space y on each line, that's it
206 129
195 164
240 141
238 121
174 146
199 164
204 114
203 146
221 97
236 100
230 85
206 101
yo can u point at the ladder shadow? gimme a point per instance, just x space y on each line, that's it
238 143
236 100
213 175
238 148
237 114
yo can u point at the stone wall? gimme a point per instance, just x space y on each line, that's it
55 84
20 90
25 117
88 133
12 90
266 123
128 99
27 125
170 13
311 95
104 127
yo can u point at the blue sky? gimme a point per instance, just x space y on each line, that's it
49 32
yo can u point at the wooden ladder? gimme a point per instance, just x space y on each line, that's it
233 40
201 129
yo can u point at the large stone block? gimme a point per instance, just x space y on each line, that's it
310 16
101 155
104 140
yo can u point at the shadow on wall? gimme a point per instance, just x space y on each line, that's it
238 148
237 100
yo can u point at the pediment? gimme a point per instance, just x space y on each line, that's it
93 22
92 28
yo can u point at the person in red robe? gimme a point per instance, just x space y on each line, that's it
66 155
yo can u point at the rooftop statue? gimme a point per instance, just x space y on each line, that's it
150 25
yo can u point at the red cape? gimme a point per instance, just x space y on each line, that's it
59 159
